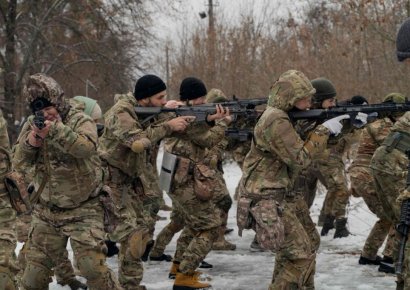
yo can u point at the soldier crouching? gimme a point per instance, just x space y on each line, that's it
60 143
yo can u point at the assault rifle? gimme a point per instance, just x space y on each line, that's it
39 119
373 111
404 226
244 108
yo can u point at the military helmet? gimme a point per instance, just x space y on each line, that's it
215 96
403 41
395 98
41 91
324 90
291 87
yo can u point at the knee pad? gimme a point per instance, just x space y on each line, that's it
92 265
36 276
138 242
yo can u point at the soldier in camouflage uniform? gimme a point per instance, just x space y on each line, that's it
389 164
8 265
267 203
389 168
362 184
222 199
129 149
192 188
64 272
67 180
328 166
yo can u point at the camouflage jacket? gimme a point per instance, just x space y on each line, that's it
277 154
67 163
122 128
372 137
193 143
394 161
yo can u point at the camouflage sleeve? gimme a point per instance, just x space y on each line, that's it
25 155
403 124
210 136
289 147
127 129
217 151
80 141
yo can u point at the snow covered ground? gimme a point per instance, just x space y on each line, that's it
337 260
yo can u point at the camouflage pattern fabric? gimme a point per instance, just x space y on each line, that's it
164 237
202 219
337 196
133 179
68 206
8 264
362 184
64 272
389 169
276 157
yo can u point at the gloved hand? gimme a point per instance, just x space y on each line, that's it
360 120
334 125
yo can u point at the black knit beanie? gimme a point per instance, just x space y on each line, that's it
358 100
403 41
147 86
192 88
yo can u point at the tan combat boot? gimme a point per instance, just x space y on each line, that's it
223 245
188 282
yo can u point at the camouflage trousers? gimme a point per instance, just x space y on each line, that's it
337 196
48 237
164 237
362 183
8 264
202 225
388 187
295 259
64 272
132 230
223 203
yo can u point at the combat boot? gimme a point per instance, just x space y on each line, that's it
223 245
174 269
387 268
327 225
76 284
367 261
163 257
341 230
321 219
188 282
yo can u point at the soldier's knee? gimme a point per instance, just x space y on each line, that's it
138 242
36 276
92 265
210 235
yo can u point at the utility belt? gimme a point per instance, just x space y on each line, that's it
397 140
279 195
